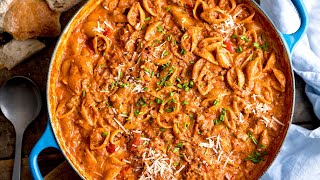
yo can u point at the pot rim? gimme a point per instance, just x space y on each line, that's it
87 6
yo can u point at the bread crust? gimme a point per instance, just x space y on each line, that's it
61 5
15 52
27 19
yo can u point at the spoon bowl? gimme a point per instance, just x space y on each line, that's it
20 102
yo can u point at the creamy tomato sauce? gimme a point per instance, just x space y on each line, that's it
168 89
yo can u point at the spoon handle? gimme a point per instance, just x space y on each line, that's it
17 157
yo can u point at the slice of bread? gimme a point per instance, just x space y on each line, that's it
27 19
4 6
62 5
15 52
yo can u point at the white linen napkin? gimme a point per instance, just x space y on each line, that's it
299 157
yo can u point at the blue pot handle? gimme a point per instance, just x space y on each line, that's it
292 39
46 140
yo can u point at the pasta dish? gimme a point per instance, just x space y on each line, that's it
172 89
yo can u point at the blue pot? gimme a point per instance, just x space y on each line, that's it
48 139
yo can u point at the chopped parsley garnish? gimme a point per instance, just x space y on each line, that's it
141 102
262 37
160 29
222 115
162 129
147 19
185 102
124 85
175 42
170 38
84 93
172 100
165 53
264 47
168 9
180 144
254 140
169 110
185 36
216 122
145 143
215 102
244 38
105 133
262 146
191 83
164 66
256 157
191 116
163 80
179 86
145 88
239 49
158 101
146 70
136 112
176 149
233 36
108 105
186 125
183 52
256 45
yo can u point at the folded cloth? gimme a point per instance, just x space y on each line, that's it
299 157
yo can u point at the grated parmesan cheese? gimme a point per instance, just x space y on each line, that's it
138 88
180 169
98 29
126 161
241 118
266 121
227 160
121 126
136 131
277 121
156 164
107 24
145 139
227 26
211 144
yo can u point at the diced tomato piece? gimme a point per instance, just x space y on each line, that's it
135 143
229 46
107 32
206 168
189 4
111 148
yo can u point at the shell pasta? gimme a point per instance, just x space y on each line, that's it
172 89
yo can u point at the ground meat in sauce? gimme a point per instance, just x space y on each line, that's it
168 89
